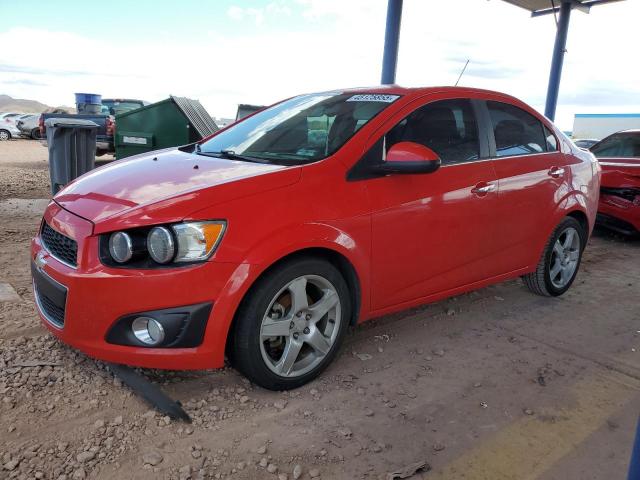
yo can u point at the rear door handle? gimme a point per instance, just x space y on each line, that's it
556 172
482 188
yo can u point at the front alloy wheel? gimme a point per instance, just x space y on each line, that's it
300 326
290 325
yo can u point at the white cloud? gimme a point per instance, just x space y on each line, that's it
258 15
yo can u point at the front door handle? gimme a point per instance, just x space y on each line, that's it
482 188
556 172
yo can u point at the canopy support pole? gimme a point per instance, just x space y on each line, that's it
391 42
558 59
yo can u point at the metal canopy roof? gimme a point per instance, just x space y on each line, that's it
542 7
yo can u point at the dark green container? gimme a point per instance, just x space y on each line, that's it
170 123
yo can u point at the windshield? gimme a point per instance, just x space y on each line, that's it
302 129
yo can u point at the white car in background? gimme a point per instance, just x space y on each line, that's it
28 126
8 128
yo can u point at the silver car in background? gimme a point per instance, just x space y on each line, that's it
8 128
28 126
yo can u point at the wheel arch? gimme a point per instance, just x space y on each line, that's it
582 218
336 258
573 204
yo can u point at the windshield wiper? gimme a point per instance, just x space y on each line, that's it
231 155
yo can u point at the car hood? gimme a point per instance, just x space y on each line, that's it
165 186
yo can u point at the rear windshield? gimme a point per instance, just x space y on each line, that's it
302 129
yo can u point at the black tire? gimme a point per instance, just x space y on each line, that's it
540 281
100 152
35 134
5 135
244 347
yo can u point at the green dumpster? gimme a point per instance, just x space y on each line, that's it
169 123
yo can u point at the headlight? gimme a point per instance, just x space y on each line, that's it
120 247
161 245
197 240
149 247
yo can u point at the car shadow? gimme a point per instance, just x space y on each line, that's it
616 237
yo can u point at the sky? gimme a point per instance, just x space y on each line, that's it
227 52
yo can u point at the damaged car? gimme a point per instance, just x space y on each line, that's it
619 157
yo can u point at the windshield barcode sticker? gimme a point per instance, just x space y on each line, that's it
373 97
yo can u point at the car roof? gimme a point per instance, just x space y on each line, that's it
419 91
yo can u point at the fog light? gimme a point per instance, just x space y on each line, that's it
148 330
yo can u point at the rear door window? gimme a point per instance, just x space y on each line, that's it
517 132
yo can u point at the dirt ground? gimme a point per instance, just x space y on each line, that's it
497 384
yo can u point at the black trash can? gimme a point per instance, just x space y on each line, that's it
72 149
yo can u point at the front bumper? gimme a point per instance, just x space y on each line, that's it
98 296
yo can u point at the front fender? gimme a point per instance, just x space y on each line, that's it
277 247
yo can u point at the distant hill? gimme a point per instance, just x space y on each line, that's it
19 105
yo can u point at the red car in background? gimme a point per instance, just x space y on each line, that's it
267 240
619 157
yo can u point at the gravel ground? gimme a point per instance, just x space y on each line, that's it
495 384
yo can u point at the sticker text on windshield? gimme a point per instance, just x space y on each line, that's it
373 97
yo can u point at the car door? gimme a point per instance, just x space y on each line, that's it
433 232
532 175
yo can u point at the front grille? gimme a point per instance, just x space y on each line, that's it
59 245
49 309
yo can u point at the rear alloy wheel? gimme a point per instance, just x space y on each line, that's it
290 326
559 264
35 134
4 135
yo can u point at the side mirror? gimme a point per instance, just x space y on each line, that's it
408 157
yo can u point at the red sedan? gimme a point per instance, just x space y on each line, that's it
267 240
619 156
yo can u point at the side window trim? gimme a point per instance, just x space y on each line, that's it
486 126
546 129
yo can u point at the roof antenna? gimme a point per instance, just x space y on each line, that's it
463 69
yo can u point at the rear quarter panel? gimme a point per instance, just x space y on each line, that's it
580 192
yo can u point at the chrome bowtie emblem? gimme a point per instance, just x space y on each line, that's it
40 261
